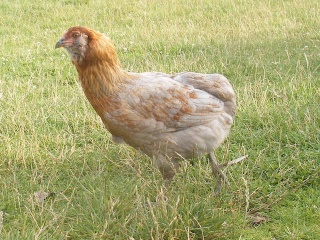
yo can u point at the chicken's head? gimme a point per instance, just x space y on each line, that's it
75 41
87 47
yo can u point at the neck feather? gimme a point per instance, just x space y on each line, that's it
100 72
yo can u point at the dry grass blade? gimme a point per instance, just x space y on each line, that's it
1 221
289 190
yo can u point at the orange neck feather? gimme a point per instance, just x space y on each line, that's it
100 72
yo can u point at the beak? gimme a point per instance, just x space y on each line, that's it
60 43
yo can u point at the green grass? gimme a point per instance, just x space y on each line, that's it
52 141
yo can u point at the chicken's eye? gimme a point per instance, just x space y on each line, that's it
75 35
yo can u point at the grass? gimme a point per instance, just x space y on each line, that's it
52 141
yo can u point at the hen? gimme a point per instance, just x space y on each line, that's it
168 117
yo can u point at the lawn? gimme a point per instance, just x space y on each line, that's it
51 140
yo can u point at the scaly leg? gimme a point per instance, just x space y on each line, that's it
217 172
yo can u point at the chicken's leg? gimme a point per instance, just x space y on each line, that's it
217 172
167 168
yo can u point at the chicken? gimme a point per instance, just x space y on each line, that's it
167 117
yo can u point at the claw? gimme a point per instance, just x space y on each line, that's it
216 169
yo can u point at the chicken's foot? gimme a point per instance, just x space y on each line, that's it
221 176
216 169
227 164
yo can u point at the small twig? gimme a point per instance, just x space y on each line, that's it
227 164
281 197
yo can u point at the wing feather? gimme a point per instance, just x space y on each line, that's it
162 104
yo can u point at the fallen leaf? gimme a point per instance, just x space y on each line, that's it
256 219
41 197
